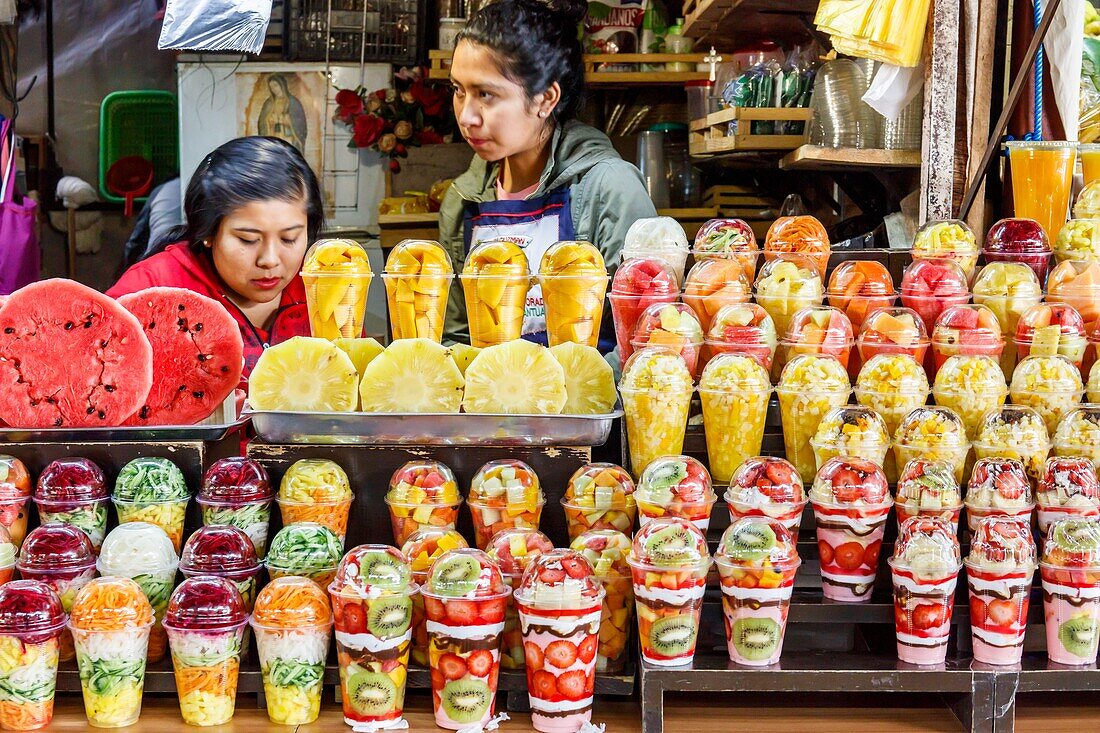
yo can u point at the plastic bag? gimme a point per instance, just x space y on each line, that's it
215 25
892 33
892 89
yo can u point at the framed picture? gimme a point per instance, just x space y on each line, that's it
285 104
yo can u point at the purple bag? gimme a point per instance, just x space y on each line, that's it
20 258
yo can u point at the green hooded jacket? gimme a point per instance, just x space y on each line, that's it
607 195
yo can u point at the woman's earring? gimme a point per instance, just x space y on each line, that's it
542 113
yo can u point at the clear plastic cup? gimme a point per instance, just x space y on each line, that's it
1049 384
935 433
1008 289
1077 284
1069 488
153 490
966 330
1042 176
820 330
505 493
31 621
715 283
999 571
337 276
727 239
951 239
734 392
787 284
1089 153
1016 432
661 237
15 493
767 487
925 570
1087 204
851 431
422 493
1070 570
1052 330
675 486
1078 241
971 386
656 390
802 235
8 555
236 491
859 288
573 280
1078 434
927 488
306 549
672 327
423 548
224 552
745 330
599 496
316 490
606 551
418 279
998 487
893 386
61 557
930 286
638 284
74 491
1019 240
513 550
809 387
893 331
495 280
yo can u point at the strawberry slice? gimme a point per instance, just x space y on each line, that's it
480 663
926 616
452 667
575 568
544 685
573 685
562 654
1001 612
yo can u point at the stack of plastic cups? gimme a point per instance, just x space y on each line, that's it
74 491
236 491
767 487
999 571
1070 569
606 551
31 620
925 570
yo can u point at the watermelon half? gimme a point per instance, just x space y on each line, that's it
198 354
70 357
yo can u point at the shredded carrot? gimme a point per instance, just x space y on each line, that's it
291 602
208 679
25 716
111 604
801 234
333 516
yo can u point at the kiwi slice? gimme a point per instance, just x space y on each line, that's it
1078 635
384 571
751 542
756 639
671 545
455 575
672 636
466 700
371 693
666 475
1076 535
389 616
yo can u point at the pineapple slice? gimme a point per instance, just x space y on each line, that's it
589 379
515 378
412 375
362 351
463 354
305 375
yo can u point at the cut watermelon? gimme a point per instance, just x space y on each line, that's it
71 357
198 354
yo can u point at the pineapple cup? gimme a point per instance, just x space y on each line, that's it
971 386
656 421
337 276
734 391
1049 384
893 385
1078 435
809 387
851 431
418 278
933 433
574 280
495 280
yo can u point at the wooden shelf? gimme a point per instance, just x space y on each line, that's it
717 21
440 63
812 157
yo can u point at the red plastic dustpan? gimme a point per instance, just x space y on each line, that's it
129 178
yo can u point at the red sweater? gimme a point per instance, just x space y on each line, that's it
179 267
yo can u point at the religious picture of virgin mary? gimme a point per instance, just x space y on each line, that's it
282 115
287 105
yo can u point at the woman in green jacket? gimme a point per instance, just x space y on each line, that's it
539 174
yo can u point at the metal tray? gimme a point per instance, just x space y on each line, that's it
365 428
164 433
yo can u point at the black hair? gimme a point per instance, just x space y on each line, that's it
537 43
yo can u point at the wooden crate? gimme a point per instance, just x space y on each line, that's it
711 135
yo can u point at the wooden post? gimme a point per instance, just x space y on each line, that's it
981 37
940 98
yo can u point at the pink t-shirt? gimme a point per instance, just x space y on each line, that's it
503 195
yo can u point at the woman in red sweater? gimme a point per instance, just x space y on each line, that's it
252 207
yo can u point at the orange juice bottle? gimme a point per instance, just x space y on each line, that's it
1042 174
1090 161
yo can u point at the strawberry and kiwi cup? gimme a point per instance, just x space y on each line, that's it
606 551
809 387
854 431
31 621
306 549
999 571
673 327
821 330
61 557
675 486
925 571
930 286
74 491
1014 431
947 239
768 487
599 496
998 487
423 548
746 330
513 550
851 502
153 490
224 552
727 239
316 490
504 493
1019 240
966 330
936 433
715 283
927 488
1069 488
1049 329
422 493
638 284
237 492
656 389
859 288
1070 572
734 391
15 494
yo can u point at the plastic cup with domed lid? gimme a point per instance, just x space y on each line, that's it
1068 488
74 491
316 490
966 330
423 548
31 622
513 550
599 496
998 487
927 488
715 283
337 275
62 557
1014 431
606 551
999 571
851 430
1019 240
1070 570
656 389
573 280
925 570
675 486
786 284
769 487
418 279
237 491
933 432
225 552
659 236
422 493
638 283
810 386
154 490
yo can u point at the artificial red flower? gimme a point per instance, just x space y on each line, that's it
431 99
368 128
429 137
349 104
395 167
381 94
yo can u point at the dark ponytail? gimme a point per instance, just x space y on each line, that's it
537 43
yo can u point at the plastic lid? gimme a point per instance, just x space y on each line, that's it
506 481
893 331
1007 280
1000 540
1087 204
1017 236
734 372
419 257
669 542
315 479
713 283
1045 374
8 550
205 602
968 374
1078 239
743 323
789 275
221 549
15 481
336 257
931 426
644 276
892 374
656 368
927 547
766 480
71 479
667 325
821 327
465 573
1067 478
757 542
606 551
725 236
934 277
850 481
849 424
56 547
946 237
601 486
801 234
423 482
1081 424
814 372
426 545
859 278
369 571
134 548
572 259
998 482
1012 425
292 602
29 607
150 480
1072 279
928 484
496 258
560 579
1046 324
652 235
111 604
669 479
304 547
236 479
514 548
967 328
1073 542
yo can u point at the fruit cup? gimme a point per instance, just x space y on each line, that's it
966 330
820 330
1008 289
573 279
1087 204
1077 284
927 488
714 283
932 432
236 491
143 553
734 391
745 330
656 390
153 490
15 494
859 288
599 496
306 549
1019 240
1078 241
110 622
224 552
757 562
851 431
465 600
423 548
660 237
31 620
1094 384
675 486
337 276
1078 434
1090 362
422 493
1014 431
62 557
851 503
947 239
8 555
495 280
787 284
925 570
513 550
560 603
1070 570
998 487
893 331
674 328
1042 176
767 487
809 387
1052 330
892 386
727 239
418 278
292 620
669 562
205 622
504 493
372 605
999 571
316 490
74 491
803 235
1049 384
638 284
606 551
971 386
1069 488
931 286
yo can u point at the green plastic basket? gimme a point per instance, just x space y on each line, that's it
142 122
